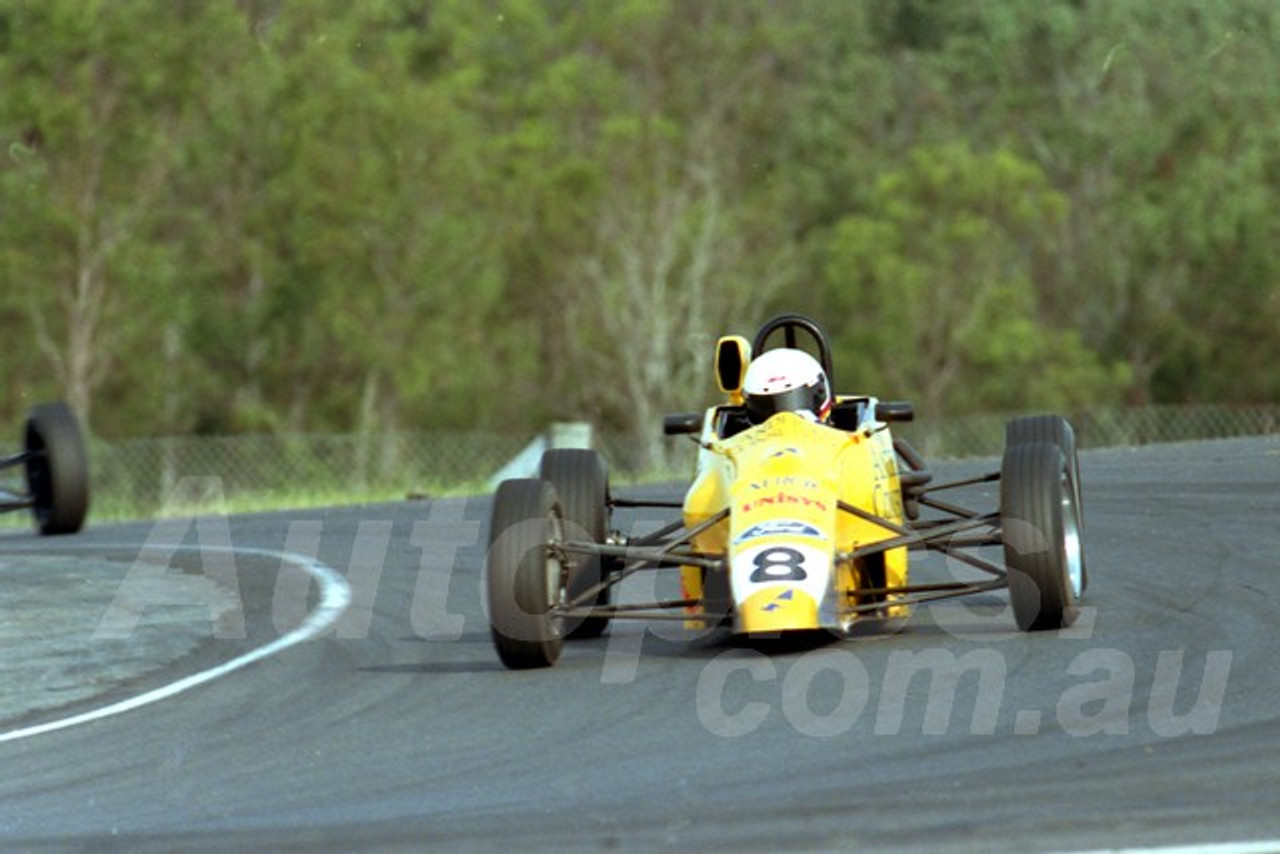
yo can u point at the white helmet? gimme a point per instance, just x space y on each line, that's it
786 380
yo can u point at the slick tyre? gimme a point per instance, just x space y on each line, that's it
57 469
1057 431
524 580
581 481
1041 533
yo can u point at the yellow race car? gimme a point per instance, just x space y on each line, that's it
800 517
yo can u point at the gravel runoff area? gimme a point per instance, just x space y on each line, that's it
71 629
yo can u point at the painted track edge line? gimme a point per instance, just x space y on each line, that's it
1252 847
335 597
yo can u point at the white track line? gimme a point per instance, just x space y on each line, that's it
1259 847
335 596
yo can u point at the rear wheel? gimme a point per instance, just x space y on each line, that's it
524 580
581 481
57 469
1057 431
1041 533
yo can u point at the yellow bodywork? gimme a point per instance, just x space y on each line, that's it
787 542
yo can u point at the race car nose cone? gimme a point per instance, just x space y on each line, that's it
778 608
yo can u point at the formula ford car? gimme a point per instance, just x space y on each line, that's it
56 471
800 517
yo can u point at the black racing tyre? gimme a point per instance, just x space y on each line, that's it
523 578
1055 430
57 469
1041 535
581 479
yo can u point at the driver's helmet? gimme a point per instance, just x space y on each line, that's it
786 380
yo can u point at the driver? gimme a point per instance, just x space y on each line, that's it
786 380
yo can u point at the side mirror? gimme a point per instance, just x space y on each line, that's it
682 424
895 410
733 354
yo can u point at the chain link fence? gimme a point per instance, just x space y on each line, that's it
983 435
141 478
144 477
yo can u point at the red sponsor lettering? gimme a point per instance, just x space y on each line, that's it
781 498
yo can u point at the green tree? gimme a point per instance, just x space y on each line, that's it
1147 117
638 136
94 114
933 287
278 215
352 250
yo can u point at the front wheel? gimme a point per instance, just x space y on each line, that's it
1058 431
524 579
581 481
57 469
1041 532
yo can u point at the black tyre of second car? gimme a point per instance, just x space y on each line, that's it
1041 532
523 578
57 469
1055 430
581 480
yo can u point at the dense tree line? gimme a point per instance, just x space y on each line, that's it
321 215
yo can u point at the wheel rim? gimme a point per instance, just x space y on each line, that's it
1071 547
556 579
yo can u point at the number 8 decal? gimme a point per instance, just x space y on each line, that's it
779 564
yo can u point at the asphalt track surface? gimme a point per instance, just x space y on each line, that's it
1154 722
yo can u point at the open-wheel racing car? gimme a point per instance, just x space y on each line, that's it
800 517
56 469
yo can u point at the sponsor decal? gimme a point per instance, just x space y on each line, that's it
785 482
778 600
780 499
886 502
779 528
